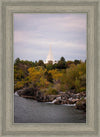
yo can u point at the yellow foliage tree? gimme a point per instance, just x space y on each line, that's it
36 75
19 85
56 74
75 76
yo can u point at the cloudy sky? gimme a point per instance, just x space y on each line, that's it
34 33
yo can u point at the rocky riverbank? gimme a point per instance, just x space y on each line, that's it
69 97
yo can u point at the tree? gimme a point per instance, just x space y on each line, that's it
37 76
77 84
17 61
68 63
76 77
55 66
62 59
76 62
49 66
35 63
48 76
61 63
40 63
56 74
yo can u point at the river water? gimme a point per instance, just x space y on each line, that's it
31 111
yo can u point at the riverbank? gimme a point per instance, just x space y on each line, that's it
69 97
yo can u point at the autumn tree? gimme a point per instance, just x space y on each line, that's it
37 76
48 76
76 77
56 75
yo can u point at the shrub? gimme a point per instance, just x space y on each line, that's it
76 76
82 89
19 85
51 91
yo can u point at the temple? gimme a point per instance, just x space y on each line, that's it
49 58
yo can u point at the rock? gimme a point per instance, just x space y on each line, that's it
58 102
30 97
63 102
27 92
70 102
81 104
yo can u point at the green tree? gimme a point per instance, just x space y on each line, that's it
17 61
40 63
49 66
62 59
35 63
61 63
68 63
77 62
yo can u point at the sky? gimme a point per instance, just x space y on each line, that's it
64 32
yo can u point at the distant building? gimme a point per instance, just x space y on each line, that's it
50 58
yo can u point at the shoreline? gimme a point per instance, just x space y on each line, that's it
69 98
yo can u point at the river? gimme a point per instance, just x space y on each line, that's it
31 111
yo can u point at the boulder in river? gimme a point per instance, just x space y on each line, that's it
57 100
81 104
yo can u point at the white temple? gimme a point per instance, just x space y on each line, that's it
50 56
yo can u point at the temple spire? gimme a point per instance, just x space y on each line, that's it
50 56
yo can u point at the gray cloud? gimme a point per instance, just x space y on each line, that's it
66 33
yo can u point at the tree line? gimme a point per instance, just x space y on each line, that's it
61 64
50 78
